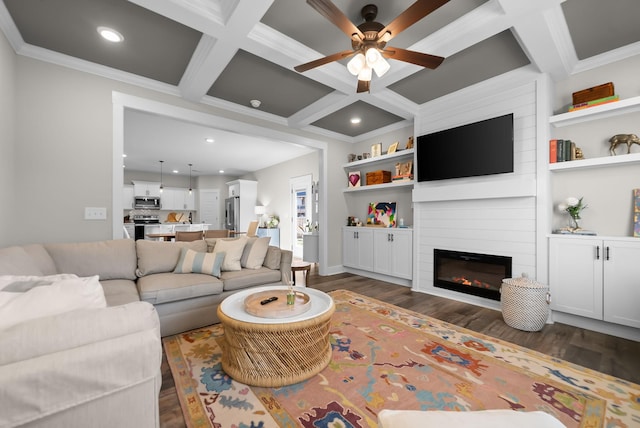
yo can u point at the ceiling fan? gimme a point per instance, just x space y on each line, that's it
369 40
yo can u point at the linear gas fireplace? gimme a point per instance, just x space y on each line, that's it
470 273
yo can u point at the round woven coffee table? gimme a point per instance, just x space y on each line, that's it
273 352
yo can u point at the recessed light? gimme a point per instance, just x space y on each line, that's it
110 34
124 155
355 120
175 171
221 171
255 103
209 140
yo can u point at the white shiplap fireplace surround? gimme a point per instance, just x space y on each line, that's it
499 214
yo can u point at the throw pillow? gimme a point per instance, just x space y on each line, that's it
254 252
24 298
272 259
197 262
233 249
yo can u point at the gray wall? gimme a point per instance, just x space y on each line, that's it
7 136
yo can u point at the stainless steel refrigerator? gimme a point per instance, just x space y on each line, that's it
232 213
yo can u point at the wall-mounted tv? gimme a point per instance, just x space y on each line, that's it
475 149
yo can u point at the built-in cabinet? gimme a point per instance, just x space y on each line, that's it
596 277
392 252
127 197
387 251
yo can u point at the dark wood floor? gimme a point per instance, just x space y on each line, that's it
607 354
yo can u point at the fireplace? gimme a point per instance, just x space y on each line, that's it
470 273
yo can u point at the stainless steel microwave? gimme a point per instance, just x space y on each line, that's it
147 203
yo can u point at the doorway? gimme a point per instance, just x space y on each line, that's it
301 211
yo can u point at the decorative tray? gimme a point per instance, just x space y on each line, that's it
277 308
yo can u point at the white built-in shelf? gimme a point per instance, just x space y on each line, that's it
379 159
630 105
596 162
393 184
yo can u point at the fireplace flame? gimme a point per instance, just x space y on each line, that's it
471 282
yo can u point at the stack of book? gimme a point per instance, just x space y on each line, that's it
593 103
561 151
402 177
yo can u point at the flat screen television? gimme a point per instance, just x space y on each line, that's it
475 149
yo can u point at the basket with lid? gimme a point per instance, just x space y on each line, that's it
525 303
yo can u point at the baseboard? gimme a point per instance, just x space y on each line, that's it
611 329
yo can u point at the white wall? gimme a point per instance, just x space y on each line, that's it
273 190
7 136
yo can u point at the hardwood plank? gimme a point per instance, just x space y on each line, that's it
606 354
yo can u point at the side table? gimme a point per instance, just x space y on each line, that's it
303 267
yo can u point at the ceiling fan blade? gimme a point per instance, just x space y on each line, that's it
329 10
363 86
413 14
322 61
418 58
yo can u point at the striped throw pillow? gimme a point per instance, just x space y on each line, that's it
197 262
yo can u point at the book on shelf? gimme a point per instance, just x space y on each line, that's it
402 177
599 101
636 213
561 150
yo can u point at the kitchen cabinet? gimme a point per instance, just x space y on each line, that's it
392 250
177 199
127 197
146 188
596 277
357 248
274 233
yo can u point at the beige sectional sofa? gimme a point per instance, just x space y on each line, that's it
101 367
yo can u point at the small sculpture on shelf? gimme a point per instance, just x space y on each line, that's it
628 139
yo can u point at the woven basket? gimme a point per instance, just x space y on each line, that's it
525 303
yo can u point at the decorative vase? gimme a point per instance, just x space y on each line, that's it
574 223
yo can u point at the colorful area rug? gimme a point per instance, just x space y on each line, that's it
386 357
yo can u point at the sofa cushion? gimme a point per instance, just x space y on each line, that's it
16 261
170 287
197 262
115 259
24 298
254 252
233 249
236 280
160 256
120 291
272 259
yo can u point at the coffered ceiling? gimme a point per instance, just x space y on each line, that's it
226 53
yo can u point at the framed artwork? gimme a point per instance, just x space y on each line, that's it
376 150
354 179
392 148
404 168
636 213
382 214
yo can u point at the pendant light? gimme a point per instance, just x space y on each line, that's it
161 186
190 189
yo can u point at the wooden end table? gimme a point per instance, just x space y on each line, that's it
273 352
303 267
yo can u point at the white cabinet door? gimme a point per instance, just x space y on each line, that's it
575 276
166 199
402 253
622 282
146 188
357 248
127 197
393 252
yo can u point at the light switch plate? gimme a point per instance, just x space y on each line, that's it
95 213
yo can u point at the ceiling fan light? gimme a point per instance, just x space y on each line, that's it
381 67
356 64
372 57
365 74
